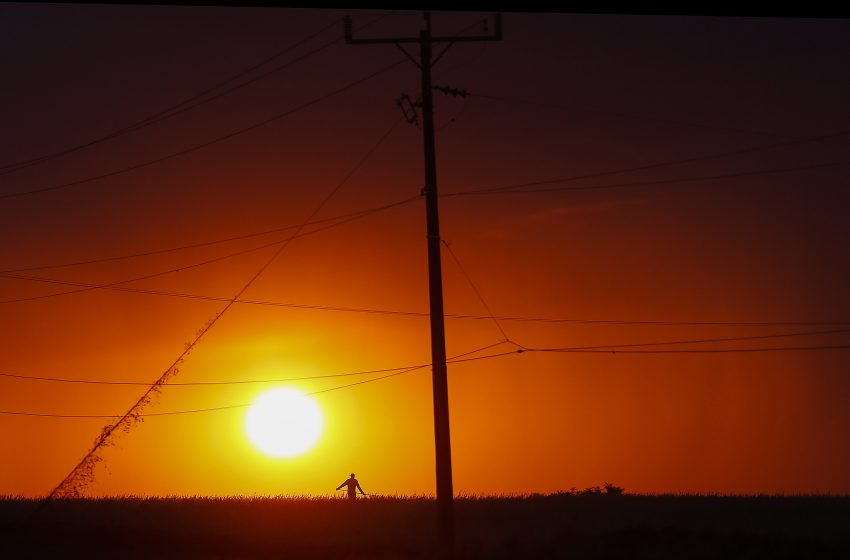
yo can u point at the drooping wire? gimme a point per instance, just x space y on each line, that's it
476 290
118 285
421 314
575 108
696 350
679 161
515 188
691 341
205 383
83 473
518 188
202 243
192 102
455 359
451 360
216 140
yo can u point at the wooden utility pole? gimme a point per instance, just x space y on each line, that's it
442 439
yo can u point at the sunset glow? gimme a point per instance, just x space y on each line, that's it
217 252
284 423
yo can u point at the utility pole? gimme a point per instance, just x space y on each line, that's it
442 440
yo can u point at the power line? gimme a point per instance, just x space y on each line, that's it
232 407
191 102
216 140
204 383
204 243
475 289
455 359
695 351
692 341
415 368
241 382
160 115
403 313
85 286
83 473
575 108
629 322
482 191
517 187
657 165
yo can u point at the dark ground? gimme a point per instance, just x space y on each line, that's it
554 526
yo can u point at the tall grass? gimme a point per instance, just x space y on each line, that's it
533 526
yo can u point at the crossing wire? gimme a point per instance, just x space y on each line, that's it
192 102
216 140
202 243
420 314
515 188
456 359
82 474
612 347
352 84
475 289
518 188
245 382
679 161
690 341
696 350
575 108
117 285
452 360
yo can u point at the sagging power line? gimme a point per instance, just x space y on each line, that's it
118 285
204 96
475 289
396 372
519 188
610 350
456 359
208 143
82 474
152 252
87 286
618 347
647 118
515 188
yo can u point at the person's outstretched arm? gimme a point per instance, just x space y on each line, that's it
340 486
361 490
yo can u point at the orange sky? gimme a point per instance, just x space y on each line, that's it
764 248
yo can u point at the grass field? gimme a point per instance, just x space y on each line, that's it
551 526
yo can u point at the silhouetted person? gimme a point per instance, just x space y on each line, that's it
353 486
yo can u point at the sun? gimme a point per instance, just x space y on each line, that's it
284 423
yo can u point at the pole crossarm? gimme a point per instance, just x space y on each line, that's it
391 40
442 434
495 36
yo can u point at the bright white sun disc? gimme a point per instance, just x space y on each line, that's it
284 423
